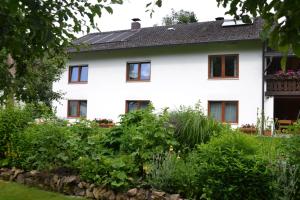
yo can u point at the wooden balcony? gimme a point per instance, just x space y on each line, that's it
282 86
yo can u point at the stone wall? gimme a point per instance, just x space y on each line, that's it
72 185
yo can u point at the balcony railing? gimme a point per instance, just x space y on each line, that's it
277 86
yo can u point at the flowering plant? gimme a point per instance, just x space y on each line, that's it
248 126
104 121
288 74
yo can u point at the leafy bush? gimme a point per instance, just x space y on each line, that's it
13 120
142 134
292 153
192 127
127 149
228 167
231 167
287 180
46 146
294 129
174 174
84 128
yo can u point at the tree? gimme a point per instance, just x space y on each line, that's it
179 17
33 33
281 18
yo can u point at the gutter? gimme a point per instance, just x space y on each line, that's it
263 90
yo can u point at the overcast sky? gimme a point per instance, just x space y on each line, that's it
205 10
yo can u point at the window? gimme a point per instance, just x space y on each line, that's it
135 105
78 74
138 71
77 108
223 66
223 111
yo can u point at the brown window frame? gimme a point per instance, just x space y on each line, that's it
223 66
139 72
138 101
79 74
78 108
223 110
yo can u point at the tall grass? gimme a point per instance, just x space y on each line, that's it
193 127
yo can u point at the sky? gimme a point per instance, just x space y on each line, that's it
205 10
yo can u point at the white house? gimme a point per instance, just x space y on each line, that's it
221 63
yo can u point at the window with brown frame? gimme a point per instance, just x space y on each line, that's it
132 105
223 111
223 66
78 74
77 108
138 71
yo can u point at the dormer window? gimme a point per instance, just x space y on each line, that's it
78 74
138 71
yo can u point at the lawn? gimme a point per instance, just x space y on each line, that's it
13 191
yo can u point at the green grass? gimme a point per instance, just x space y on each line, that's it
14 191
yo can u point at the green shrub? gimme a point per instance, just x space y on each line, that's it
291 147
192 127
127 149
228 167
142 134
287 180
173 174
13 120
294 129
117 172
46 146
232 168
84 128
39 110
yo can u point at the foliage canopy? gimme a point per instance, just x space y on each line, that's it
179 17
34 34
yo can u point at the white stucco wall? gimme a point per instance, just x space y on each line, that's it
179 76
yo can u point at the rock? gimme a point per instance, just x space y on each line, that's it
121 196
109 195
132 192
174 197
141 194
30 181
16 173
156 195
79 191
89 193
159 194
34 173
83 185
53 182
20 179
5 175
98 192
70 179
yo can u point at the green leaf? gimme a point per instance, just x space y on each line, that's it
109 9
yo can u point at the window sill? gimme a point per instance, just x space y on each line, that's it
216 79
77 83
139 81
76 117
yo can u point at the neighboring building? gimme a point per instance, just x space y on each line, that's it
220 63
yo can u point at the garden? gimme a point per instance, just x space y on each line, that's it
180 152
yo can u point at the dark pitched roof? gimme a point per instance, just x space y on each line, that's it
195 33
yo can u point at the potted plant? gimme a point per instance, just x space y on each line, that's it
105 123
268 127
248 128
268 131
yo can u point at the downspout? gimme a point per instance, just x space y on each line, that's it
263 91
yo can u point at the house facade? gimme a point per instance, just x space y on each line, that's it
220 64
